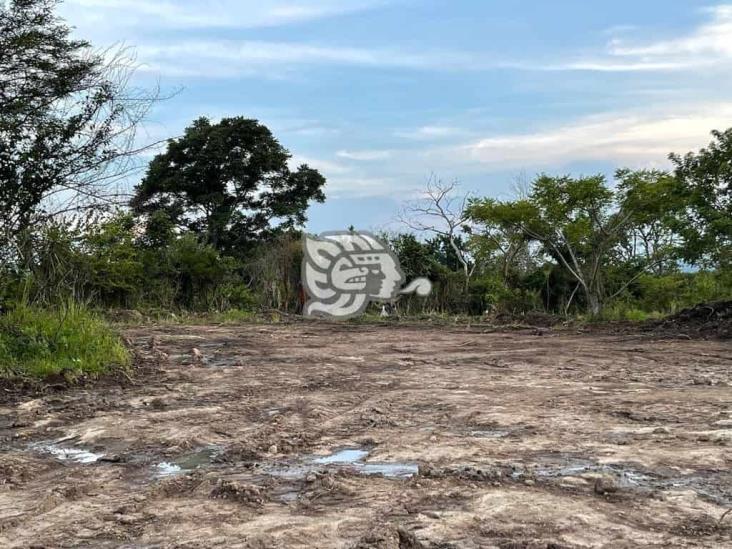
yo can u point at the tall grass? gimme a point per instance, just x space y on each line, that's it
69 340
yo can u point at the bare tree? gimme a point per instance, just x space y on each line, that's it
442 211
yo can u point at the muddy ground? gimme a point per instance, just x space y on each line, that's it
318 435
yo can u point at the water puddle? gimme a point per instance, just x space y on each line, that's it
347 455
345 459
203 457
77 455
167 469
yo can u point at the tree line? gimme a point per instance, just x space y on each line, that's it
215 220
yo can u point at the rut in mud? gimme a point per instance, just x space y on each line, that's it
318 435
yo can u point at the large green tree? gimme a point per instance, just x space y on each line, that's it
67 119
228 182
705 185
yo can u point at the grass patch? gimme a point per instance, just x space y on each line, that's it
624 311
72 341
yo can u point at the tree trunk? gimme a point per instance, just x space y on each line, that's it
594 304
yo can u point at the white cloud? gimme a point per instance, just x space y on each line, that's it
426 133
234 58
363 186
708 45
364 155
632 138
183 14
326 167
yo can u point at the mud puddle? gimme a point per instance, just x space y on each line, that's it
191 461
715 486
345 459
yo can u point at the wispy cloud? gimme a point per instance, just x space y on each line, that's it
237 58
182 14
707 45
631 138
365 155
354 186
327 167
429 133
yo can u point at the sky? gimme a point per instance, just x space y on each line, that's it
381 94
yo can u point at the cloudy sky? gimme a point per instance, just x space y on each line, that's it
379 94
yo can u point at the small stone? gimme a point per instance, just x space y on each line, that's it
605 485
529 482
272 449
661 431
129 519
311 477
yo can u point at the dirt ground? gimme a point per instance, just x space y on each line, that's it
322 435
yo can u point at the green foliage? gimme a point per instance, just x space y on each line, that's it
214 224
113 262
705 186
229 183
66 118
626 311
70 340
586 227
676 291
498 297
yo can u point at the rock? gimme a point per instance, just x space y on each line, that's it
605 484
311 477
131 518
236 491
272 449
198 357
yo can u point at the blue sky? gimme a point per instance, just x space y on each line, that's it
379 94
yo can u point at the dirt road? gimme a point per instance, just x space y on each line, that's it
315 435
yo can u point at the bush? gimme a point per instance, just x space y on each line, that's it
70 341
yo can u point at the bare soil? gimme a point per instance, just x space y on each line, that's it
322 435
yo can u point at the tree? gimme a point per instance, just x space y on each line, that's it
705 184
578 222
228 182
441 212
650 239
67 119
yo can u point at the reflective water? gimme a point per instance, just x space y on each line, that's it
346 459
77 455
